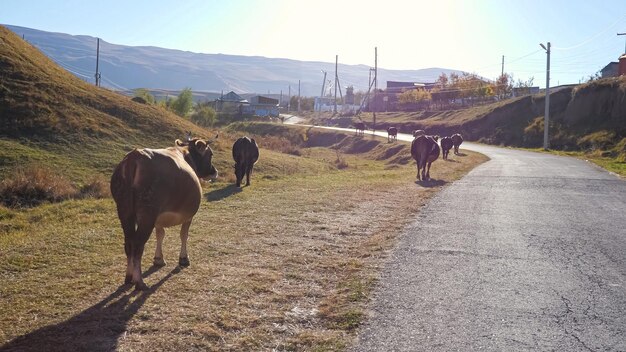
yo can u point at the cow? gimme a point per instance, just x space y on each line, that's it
392 132
360 128
446 145
457 139
425 150
417 133
245 154
159 188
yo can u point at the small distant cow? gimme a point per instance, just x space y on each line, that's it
360 128
446 145
159 188
245 154
418 133
425 150
457 139
392 132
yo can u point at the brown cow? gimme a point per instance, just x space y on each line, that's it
246 154
425 150
360 128
392 132
159 188
457 139
446 145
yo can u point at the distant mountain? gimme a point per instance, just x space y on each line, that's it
129 67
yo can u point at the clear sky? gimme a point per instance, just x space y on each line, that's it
466 35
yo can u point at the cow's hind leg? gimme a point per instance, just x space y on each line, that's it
144 229
248 172
183 259
158 253
128 226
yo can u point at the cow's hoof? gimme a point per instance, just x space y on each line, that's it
248 184
141 286
159 261
184 262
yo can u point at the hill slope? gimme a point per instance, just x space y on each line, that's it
128 67
50 117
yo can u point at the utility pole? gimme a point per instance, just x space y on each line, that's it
624 43
298 95
336 61
375 86
502 74
289 100
97 75
546 116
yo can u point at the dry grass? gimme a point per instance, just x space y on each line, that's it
286 264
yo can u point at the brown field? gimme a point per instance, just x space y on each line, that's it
285 264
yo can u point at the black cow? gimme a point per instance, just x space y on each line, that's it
425 150
360 128
245 154
457 139
392 132
446 145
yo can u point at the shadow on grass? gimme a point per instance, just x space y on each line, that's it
222 193
451 160
431 183
98 328
461 154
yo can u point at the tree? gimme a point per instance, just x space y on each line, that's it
204 115
523 87
504 86
145 94
183 104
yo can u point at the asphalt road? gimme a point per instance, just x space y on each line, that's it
525 253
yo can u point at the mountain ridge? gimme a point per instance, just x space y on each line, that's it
130 67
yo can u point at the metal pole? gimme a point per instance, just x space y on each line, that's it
375 85
502 74
546 120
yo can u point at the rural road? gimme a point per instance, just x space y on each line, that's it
525 253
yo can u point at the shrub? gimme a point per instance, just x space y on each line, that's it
597 140
31 186
97 188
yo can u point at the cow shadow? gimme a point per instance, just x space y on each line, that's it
222 193
431 183
461 154
97 328
450 160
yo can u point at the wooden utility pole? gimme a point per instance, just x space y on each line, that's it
502 74
289 99
375 85
336 61
97 75
298 95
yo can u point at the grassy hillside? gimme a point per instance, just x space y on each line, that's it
50 118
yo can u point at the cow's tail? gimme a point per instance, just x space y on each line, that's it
123 191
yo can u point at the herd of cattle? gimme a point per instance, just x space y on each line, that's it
424 148
158 188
